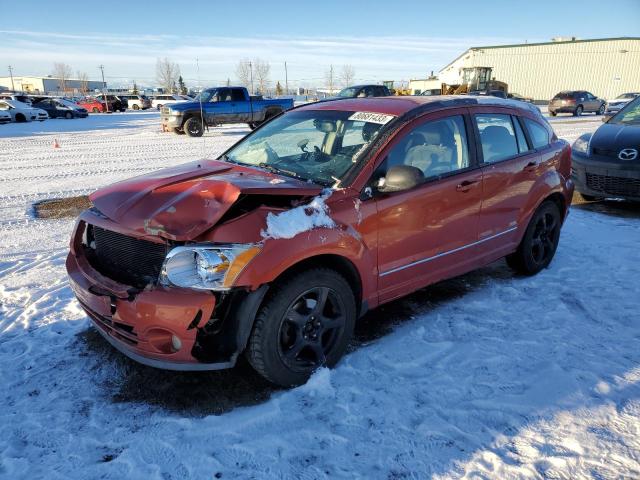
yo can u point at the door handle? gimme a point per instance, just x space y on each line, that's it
466 185
530 167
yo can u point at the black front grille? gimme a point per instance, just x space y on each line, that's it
605 152
125 259
614 185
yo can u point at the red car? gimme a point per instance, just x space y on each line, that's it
331 209
93 105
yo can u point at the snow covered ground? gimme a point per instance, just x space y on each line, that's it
484 376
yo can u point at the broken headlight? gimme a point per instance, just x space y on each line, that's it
206 266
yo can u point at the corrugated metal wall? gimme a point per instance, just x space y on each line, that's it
605 68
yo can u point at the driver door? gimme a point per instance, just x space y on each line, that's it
424 232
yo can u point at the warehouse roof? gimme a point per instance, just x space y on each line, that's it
562 42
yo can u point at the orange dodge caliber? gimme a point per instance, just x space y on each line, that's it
276 248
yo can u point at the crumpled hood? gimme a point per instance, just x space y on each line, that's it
614 136
181 203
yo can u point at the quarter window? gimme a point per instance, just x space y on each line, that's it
436 148
497 137
538 134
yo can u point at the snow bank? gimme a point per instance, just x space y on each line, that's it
300 219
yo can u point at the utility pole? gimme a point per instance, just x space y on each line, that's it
331 80
286 79
251 70
104 85
11 75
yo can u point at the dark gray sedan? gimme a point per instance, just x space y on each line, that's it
607 162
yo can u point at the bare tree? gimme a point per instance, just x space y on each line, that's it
62 72
330 78
262 70
84 82
347 75
243 73
167 74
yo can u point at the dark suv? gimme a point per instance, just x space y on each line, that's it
360 91
576 102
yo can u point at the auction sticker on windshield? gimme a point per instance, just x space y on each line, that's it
370 117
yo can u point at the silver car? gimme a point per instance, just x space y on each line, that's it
615 105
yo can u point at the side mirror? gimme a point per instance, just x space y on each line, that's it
399 178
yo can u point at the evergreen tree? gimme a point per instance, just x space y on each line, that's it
182 88
279 89
135 88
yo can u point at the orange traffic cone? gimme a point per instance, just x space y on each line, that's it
55 143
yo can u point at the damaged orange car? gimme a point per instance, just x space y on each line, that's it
277 247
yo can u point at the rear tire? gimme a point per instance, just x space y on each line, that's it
136 107
68 115
20 118
540 241
305 323
193 127
578 111
553 114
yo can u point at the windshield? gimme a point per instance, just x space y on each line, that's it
627 96
318 146
348 92
628 115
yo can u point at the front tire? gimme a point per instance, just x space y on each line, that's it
193 127
136 107
306 322
553 114
600 110
95 110
68 115
540 241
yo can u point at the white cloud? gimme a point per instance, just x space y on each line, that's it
128 57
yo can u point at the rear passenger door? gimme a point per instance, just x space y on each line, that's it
509 171
240 106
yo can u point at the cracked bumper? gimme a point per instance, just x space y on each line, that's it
141 324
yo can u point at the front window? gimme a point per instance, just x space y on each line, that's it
348 92
627 96
629 115
206 96
319 146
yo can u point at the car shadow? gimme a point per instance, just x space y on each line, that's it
217 392
614 208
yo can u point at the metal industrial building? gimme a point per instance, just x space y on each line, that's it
49 85
605 67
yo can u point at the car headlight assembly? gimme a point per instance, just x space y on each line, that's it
207 266
581 145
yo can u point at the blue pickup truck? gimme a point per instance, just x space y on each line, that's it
217 106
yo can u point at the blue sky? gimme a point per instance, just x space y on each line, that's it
381 40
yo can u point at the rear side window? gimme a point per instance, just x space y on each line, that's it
237 95
538 134
497 136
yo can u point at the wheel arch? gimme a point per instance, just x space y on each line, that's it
338 263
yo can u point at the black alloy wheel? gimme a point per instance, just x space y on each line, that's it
305 322
540 241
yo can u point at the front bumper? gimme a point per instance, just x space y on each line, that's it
169 122
601 176
141 324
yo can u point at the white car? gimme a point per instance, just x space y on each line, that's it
615 105
22 112
166 99
5 116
